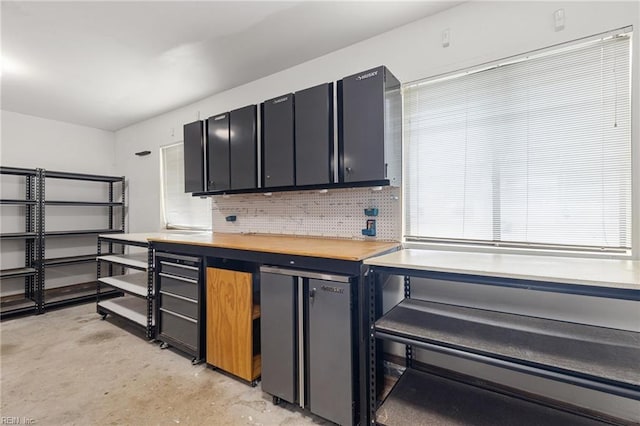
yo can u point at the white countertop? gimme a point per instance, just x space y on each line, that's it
143 237
623 274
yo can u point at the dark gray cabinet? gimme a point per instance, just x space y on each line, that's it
307 341
232 150
314 135
179 303
369 127
330 350
278 299
218 153
278 166
193 145
243 148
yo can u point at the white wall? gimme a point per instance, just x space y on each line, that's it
33 142
480 32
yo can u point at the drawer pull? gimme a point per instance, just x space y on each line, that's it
179 265
177 296
175 314
175 277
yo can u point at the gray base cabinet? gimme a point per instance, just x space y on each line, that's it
307 341
179 303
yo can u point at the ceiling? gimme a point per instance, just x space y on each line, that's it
111 64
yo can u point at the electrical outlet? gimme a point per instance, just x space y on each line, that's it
446 38
558 19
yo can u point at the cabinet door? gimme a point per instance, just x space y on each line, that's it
330 352
218 152
278 335
314 135
230 322
361 126
193 146
243 148
277 142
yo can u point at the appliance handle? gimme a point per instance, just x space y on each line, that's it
305 274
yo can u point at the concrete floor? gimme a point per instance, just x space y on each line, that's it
68 367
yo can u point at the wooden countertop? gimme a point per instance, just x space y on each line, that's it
330 248
613 273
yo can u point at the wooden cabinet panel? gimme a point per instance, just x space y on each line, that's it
230 316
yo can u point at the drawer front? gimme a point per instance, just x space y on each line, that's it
179 304
181 329
180 286
185 271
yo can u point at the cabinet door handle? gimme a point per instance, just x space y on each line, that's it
349 169
312 294
268 177
175 277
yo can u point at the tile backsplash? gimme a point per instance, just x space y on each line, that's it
335 213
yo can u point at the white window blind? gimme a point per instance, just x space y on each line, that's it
536 151
180 209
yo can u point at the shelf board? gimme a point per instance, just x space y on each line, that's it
18 202
138 240
135 283
82 176
255 313
84 203
17 272
135 260
16 307
75 293
18 235
598 354
80 232
423 398
129 307
17 171
70 260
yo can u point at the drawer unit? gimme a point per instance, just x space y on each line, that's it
180 270
180 305
182 328
185 287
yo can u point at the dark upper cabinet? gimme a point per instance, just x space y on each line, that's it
243 148
193 145
232 150
369 127
218 152
278 167
314 135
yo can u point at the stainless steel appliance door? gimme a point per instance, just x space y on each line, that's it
330 370
278 326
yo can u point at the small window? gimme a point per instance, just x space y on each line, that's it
179 209
531 152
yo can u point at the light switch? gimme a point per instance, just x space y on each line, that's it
558 19
445 38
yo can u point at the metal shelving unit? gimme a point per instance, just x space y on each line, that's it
587 356
131 275
81 292
28 301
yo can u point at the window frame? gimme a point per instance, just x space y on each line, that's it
497 247
163 205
